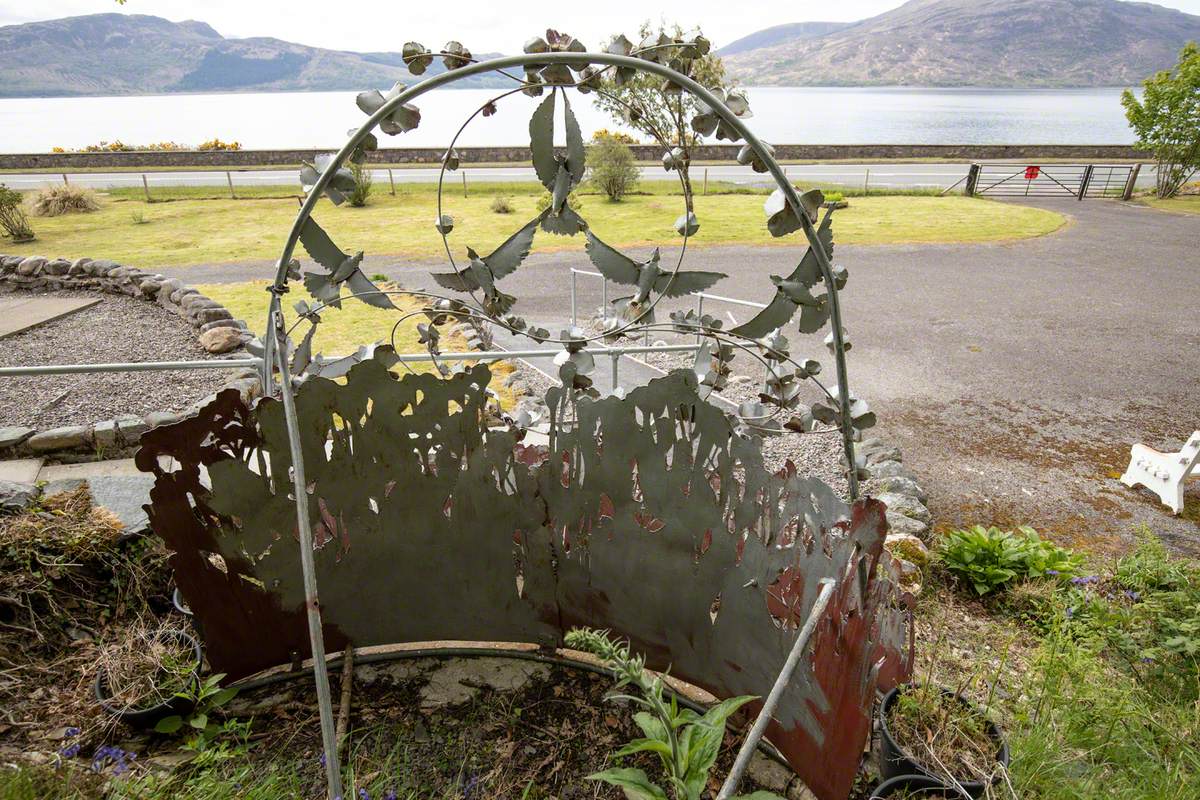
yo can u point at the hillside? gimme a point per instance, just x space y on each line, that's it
114 54
994 43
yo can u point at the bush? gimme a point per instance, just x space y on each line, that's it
1167 120
217 144
612 166
362 184
572 200
65 199
989 558
12 218
502 205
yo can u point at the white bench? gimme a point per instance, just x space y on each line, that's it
1164 473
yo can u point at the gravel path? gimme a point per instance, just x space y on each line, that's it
117 329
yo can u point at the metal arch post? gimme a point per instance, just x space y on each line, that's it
781 682
639 64
333 775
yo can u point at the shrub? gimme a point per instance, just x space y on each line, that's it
502 205
613 169
65 199
12 218
217 144
1167 120
572 200
616 136
989 558
362 184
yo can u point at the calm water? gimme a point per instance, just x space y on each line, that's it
785 115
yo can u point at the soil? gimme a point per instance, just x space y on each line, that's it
117 329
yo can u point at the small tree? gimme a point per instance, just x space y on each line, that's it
1167 120
12 216
362 184
612 167
658 109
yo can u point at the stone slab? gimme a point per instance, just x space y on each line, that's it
116 485
21 470
22 313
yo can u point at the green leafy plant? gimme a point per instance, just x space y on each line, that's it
1167 120
612 167
363 184
12 217
989 558
686 743
208 696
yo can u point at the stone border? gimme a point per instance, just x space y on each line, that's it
216 330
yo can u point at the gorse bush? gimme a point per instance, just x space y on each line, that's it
66 199
989 558
611 167
13 221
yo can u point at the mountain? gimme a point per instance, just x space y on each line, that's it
778 34
112 54
995 43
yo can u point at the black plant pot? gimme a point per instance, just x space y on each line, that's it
149 717
913 786
894 762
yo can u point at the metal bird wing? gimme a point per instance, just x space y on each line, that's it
505 259
541 142
615 266
457 281
366 290
781 309
678 284
322 249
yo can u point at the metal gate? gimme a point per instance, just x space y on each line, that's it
1053 180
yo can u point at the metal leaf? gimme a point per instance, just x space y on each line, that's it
541 142
781 220
576 154
444 224
450 160
416 57
831 343
687 224
454 55
557 75
749 157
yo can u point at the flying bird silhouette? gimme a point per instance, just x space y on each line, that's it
795 292
647 277
343 268
483 271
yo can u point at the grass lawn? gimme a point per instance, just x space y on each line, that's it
194 231
1186 204
341 332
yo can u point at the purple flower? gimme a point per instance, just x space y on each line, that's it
119 759
321 761
1132 595
1070 612
1053 573
363 794
71 750
71 732
390 794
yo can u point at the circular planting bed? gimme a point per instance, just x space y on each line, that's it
136 317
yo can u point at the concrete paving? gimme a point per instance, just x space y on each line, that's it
19 313
1015 376
116 484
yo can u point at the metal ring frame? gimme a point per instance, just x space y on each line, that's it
276 347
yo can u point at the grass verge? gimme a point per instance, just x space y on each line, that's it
193 231
1184 204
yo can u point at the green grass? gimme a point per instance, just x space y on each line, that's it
1185 204
193 231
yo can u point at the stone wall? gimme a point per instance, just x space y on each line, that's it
216 329
239 159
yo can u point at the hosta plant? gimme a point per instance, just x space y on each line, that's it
685 742
989 558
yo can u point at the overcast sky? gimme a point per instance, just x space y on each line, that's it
482 25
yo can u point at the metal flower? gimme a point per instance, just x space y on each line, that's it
782 220
417 57
340 184
403 118
454 55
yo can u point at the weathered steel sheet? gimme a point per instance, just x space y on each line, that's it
647 515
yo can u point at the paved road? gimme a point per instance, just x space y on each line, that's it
881 176
1015 376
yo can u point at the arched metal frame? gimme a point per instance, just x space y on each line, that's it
276 351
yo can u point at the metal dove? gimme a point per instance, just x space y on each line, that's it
483 272
343 268
647 277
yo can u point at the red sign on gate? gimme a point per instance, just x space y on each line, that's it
1032 173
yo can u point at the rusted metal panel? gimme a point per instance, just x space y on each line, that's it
647 515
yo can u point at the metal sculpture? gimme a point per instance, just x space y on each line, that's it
651 514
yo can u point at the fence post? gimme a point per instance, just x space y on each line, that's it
867 182
391 182
705 181
464 177
1131 184
229 180
972 180
574 307
146 187
65 181
1086 180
